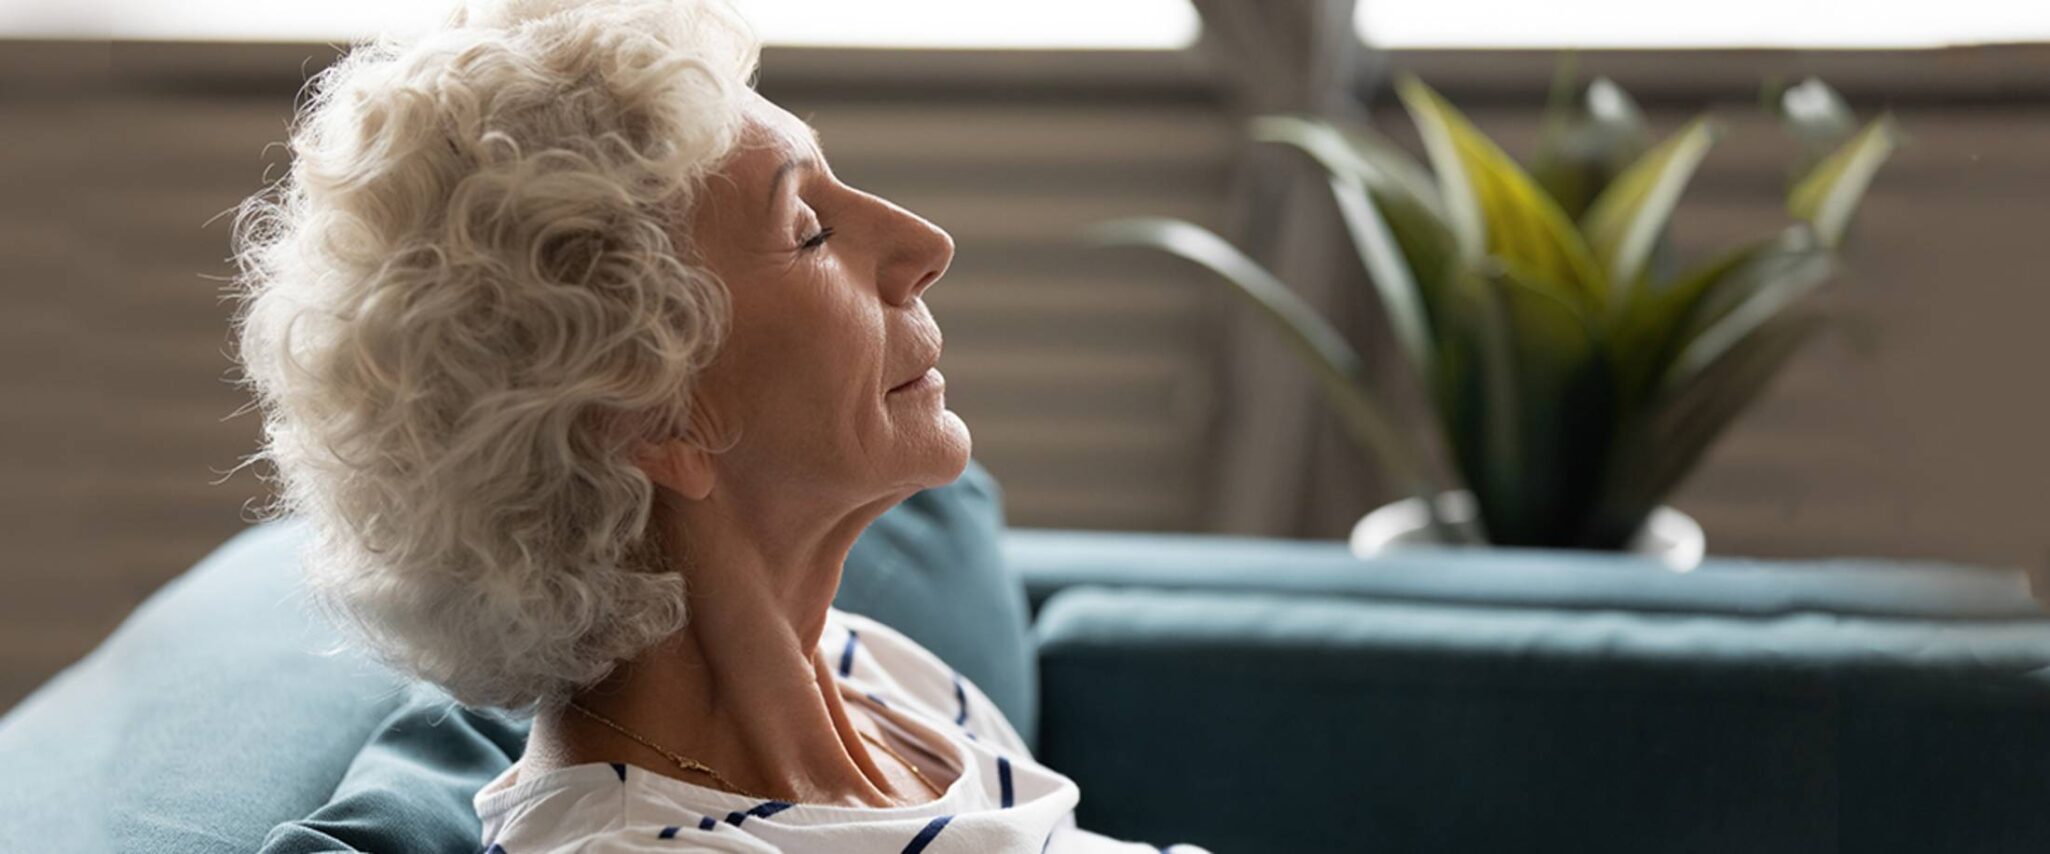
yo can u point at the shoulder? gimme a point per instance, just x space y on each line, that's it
645 839
600 808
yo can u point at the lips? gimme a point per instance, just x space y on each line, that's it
924 342
911 382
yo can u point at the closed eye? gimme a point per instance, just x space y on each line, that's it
817 240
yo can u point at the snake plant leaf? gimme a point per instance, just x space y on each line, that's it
1339 369
1319 140
1585 145
1385 262
1402 190
1386 266
1609 106
1493 206
1627 220
1500 455
1562 419
1659 448
1410 204
1794 247
1653 328
1474 390
1406 178
1773 282
1817 116
1830 193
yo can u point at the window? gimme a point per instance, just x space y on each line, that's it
1162 24
1725 23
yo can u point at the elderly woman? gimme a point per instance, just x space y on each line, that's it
588 372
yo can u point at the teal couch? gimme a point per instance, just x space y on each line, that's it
1242 694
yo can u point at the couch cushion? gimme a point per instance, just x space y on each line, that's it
409 788
1049 560
1380 725
209 717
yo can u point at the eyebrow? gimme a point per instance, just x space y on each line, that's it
791 165
776 183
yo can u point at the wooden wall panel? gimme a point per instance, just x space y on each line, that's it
1089 379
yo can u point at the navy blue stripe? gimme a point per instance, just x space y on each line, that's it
878 700
707 823
495 849
960 697
1049 841
761 810
1004 777
925 837
971 736
620 769
847 654
668 832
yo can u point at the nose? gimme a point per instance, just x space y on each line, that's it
922 254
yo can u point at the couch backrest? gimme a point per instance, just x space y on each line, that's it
207 719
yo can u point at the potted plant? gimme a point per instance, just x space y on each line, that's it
1576 371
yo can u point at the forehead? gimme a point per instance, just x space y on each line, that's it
772 136
769 122
737 197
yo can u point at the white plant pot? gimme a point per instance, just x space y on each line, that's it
1669 536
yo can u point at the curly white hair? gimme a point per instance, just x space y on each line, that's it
466 306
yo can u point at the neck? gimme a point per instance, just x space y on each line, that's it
742 687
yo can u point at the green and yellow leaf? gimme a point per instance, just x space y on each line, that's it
1669 436
1772 284
1494 208
1583 147
1626 221
1829 194
1385 259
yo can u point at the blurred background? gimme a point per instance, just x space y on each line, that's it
1106 390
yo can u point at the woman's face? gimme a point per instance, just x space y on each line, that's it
827 327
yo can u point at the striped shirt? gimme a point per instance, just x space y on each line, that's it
1000 800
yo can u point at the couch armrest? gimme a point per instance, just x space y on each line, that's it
1050 560
1246 721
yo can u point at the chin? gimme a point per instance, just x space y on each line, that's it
954 449
946 456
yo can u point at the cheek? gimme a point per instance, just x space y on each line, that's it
849 353
815 351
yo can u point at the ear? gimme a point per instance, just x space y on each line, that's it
679 466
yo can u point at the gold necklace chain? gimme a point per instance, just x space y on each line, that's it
906 762
694 765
